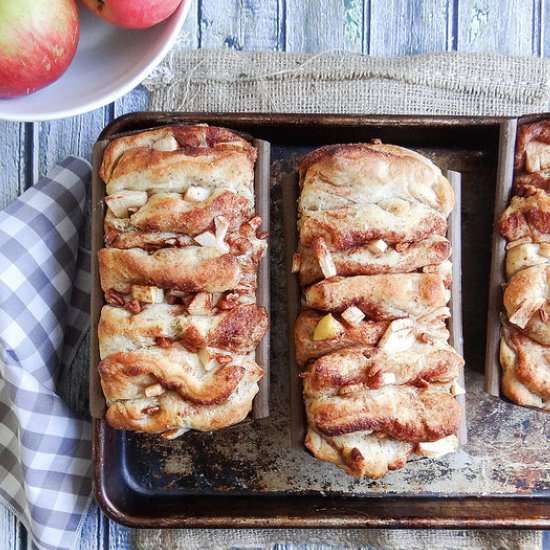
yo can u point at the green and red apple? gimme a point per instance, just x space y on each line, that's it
133 14
38 40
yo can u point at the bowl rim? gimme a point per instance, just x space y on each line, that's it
179 15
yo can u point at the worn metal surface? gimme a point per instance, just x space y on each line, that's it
507 452
378 27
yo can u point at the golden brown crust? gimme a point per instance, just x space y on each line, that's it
526 298
191 269
125 375
380 297
238 330
359 369
527 217
364 334
526 369
366 260
189 138
522 255
345 173
406 413
169 212
169 411
393 221
535 134
360 454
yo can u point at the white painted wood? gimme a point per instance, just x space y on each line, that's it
69 136
504 27
240 24
12 161
313 26
407 28
10 530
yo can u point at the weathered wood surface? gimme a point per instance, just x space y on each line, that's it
376 27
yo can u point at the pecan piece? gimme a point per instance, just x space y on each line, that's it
229 301
222 359
114 298
111 236
133 306
163 342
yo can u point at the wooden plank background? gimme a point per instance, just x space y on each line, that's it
376 27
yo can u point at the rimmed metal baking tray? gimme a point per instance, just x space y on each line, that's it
250 476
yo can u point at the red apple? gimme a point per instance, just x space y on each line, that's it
38 40
133 14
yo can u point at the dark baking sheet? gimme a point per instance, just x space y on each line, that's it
249 476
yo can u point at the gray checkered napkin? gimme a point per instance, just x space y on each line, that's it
45 450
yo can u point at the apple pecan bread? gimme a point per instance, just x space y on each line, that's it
525 224
380 377
178 271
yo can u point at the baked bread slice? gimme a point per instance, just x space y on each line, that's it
360 454
359 333
171 416
345 175
520 255
359 369
374 257
525 299
526 369
406 413
527 218
171 212
128 374
238 330
190 269
176 158
381 297
352 194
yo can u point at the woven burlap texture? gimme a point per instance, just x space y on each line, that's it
372 539
448 84
444 83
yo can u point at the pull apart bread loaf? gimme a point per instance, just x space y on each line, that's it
525 224
372 342
178 271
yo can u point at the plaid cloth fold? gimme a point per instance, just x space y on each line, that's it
45 451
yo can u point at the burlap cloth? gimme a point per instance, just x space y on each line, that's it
452 84
446 83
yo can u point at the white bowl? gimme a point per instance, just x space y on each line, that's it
109 62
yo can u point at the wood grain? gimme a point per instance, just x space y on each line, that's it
13 161
313 26
240 24
504 27
408 28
